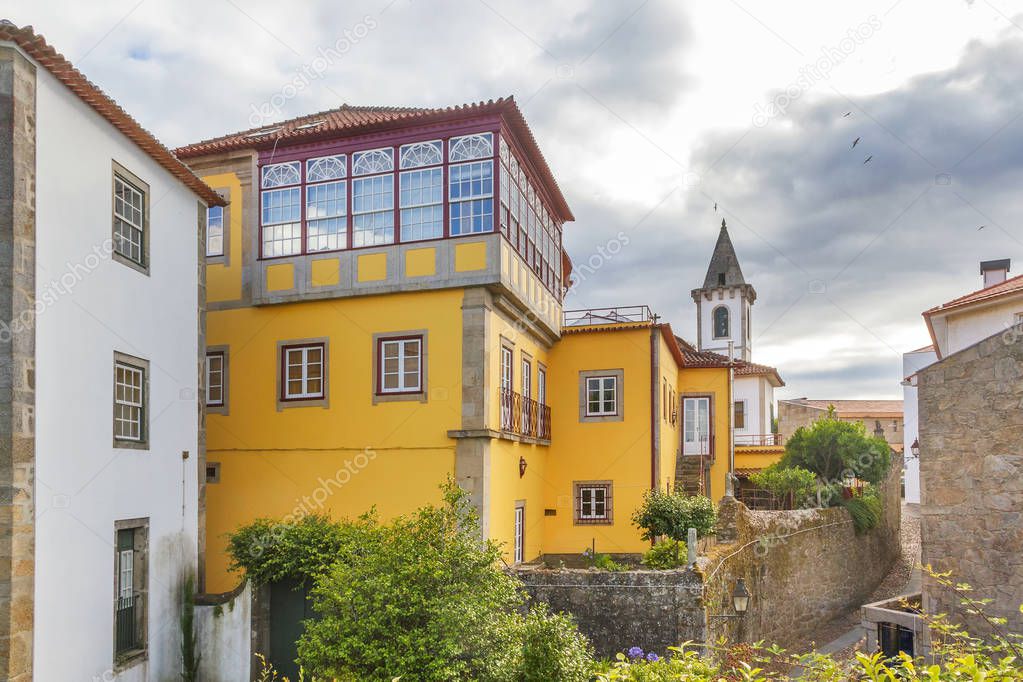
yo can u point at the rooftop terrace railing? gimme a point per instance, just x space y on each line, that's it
615 315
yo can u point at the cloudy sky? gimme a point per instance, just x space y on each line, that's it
649 112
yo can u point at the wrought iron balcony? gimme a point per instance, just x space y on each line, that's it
616 315
757 439
524 416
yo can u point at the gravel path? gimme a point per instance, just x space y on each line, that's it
904 577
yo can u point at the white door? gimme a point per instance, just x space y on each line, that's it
696 426
520 533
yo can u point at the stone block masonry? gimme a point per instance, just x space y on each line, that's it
971 477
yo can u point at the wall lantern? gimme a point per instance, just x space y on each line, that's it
915 448
740 597
522 466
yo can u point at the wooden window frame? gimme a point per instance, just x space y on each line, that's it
743 403
122 174
140 582
141 365
577 511
222 406
710 422
381 395
584 406
224 257
212 472
519 539
286 401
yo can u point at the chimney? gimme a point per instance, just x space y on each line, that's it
994 271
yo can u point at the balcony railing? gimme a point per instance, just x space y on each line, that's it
126 624
754 439
617 315
524 416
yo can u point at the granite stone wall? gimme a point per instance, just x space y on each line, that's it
971 476
618 610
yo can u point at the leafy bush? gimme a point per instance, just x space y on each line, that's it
602 562
791 485
865 510
425 601
553 649
835 450
666 555
269 550
672 514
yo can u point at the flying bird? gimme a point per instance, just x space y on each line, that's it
867 160
847 114
855 142
715 206
981 228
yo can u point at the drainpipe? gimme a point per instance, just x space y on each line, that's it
730 484
654 431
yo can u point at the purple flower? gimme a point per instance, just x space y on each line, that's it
652 657
635 652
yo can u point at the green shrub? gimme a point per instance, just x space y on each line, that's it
672 514
602 561
865 510
791 485
666 555
553 649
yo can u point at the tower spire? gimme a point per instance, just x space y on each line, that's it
724 270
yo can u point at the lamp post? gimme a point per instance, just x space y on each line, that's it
914 449
740 601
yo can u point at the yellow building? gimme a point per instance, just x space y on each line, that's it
384 310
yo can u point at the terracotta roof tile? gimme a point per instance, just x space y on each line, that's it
351 120
1009 286
704 359
64 71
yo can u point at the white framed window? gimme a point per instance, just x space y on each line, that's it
468 147
518 554
593 504
373 161
302 369
326 209
421 200
129 402
400 365
541 385
420 154
129 220
281 221
281 174
373 210
215 378
471 197
506 368
601 396
323 168
215 231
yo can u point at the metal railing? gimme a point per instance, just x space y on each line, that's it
127 630
758 439
616 315
524 416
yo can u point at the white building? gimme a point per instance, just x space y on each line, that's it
723 309
100 291
953 326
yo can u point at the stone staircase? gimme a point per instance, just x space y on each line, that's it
689 474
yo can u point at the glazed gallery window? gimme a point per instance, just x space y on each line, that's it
400 365
601 396
592 502
130 218
721 323
129 402
302 370
373 197
421 191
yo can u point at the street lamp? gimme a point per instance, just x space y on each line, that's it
740 597
915 448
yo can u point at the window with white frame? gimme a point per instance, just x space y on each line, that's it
302 369
326 204
281 209
421 202
129 402
129 220
373 198
470 196
601 396
593 502
400 365
215 378
130 593
215 231
518 554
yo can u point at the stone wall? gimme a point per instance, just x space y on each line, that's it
971 476
618 610
802 567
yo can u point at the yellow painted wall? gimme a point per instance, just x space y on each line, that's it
224 282
618 451
275 463
713 381
671 439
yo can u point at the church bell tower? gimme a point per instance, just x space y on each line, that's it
723 303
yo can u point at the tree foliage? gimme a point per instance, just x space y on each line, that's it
835 450
672 514
789 484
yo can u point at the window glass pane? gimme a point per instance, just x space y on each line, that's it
373 161
420 199
326 226
478 146
281 174
373 204
421 154
325 168
215 231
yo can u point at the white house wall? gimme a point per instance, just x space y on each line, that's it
912 363
974 325
84 484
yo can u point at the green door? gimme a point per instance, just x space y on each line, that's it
289 606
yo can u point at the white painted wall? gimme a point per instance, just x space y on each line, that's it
735 302
911 363
759 396
83 483
963 329
224 639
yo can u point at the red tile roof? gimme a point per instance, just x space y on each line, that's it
358 120
64 71
1009 286
704 358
